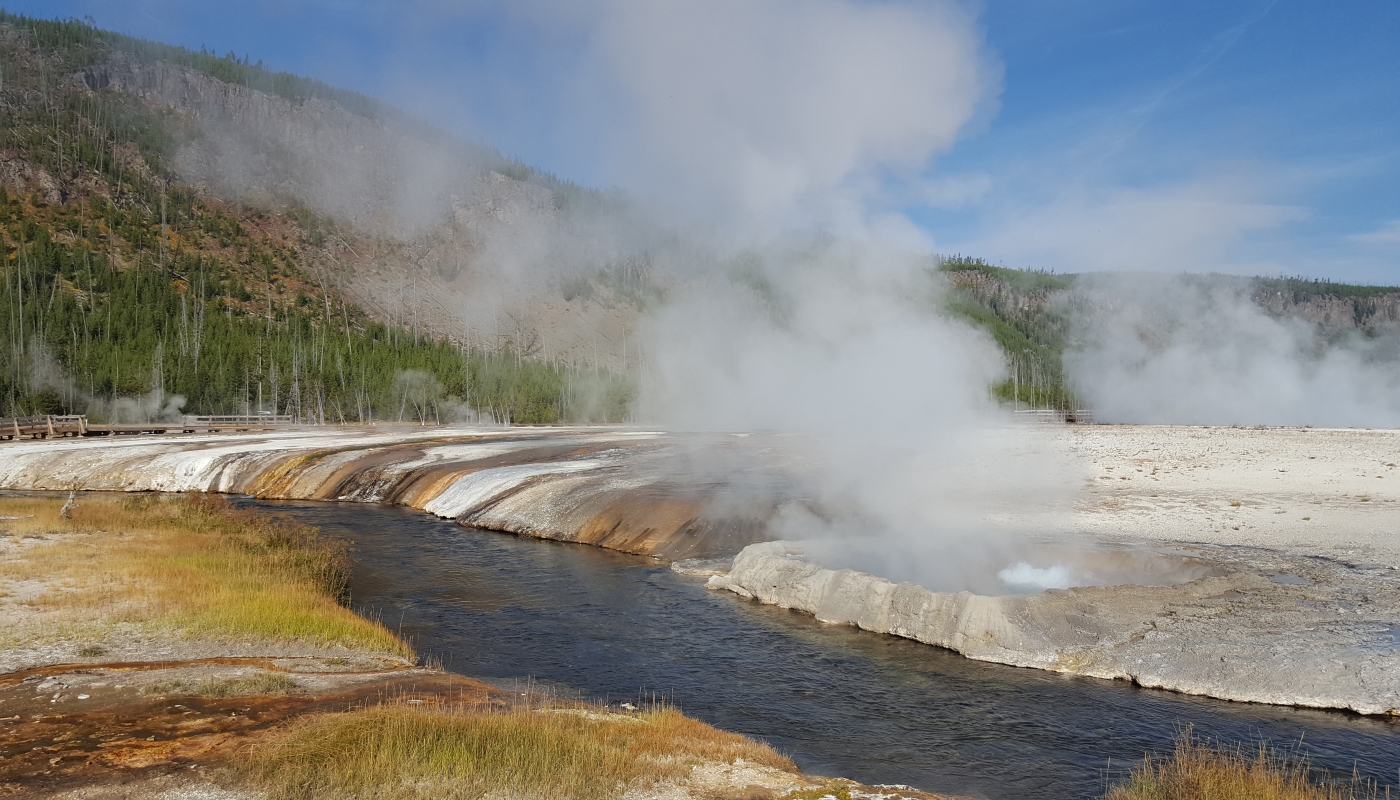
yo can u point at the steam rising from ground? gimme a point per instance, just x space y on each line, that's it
776 120
47 376
736 123
908 469
776 139
1190 350
423 399
153 406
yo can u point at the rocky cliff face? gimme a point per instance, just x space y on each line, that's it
18 176
1327 311
1375 314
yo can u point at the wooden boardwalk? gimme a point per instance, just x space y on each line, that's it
60 425
43 426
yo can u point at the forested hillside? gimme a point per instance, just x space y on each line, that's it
1015 307
1036 317
130 294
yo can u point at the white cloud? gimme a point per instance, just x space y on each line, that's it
1387 234
951 191
1196 226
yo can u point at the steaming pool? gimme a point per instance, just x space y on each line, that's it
839 701
1009 567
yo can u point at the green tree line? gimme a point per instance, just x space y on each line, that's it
1012 305
85 331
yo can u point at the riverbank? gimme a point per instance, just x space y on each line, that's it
160 646
1266 629
1295 526
633 491
1329 492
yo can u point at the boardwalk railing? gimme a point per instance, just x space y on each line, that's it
214 422
1082 416
53 425
43 426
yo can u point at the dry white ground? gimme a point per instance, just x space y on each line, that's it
1304 491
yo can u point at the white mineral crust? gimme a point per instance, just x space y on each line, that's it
1328 641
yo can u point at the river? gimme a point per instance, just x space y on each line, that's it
607 626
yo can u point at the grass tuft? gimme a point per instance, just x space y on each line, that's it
1199 770
261 683
403 752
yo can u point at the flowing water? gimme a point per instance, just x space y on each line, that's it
839 701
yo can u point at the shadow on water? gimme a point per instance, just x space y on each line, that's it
839 701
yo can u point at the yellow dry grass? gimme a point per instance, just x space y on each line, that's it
402 752
1197 770
180 563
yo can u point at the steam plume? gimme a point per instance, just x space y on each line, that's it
817 314
1200 351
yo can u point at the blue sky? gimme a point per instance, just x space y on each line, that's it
1251 137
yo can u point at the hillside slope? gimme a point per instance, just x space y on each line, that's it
133 278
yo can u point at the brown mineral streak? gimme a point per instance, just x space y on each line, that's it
422 485
648 526
640 522
274 481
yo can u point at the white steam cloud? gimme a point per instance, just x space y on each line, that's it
47 375
1201 351
778 140
784 111
908 468
772 121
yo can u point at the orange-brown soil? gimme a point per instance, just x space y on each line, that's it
67 726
